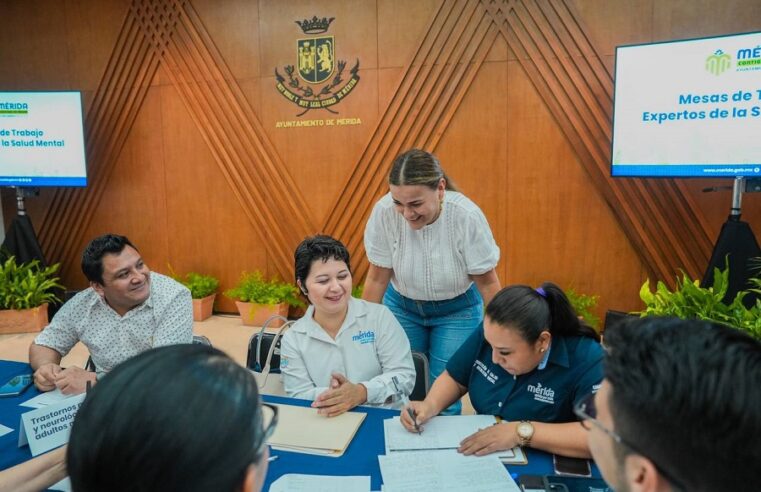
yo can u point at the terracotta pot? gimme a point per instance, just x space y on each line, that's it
256 314
202 307
24 320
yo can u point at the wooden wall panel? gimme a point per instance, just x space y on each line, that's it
205 228
514 96
560 228
475 160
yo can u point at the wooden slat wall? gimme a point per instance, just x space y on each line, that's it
187 89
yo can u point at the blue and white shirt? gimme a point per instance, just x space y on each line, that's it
369 348
165 318
573 370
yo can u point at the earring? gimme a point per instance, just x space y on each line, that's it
542 350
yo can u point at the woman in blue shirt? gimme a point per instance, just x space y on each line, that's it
530 364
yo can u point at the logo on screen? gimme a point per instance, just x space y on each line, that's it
324 78
10 109
718 63
749 59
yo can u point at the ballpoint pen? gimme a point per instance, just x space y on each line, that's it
406 403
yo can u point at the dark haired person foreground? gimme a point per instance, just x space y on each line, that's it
344 352
127 309
530 364
679 409
205 430
432 258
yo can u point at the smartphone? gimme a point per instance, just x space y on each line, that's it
577 467
531 483
555 483
16 385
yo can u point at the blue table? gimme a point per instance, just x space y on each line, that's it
360 458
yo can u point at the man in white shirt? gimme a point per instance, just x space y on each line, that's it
127 310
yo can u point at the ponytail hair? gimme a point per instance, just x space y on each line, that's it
532 311
418 167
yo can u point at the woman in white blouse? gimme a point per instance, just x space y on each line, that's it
344 352
432 258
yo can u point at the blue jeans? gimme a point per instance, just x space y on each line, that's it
437 328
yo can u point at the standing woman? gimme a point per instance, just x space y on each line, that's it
432 258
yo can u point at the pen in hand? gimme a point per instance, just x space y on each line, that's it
412 415
406 403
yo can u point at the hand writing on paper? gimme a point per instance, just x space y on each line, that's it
496 437
45 376
423 412
342 396
73 380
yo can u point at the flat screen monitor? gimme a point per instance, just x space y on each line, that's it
688 108
42 139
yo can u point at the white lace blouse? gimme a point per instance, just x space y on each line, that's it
432 263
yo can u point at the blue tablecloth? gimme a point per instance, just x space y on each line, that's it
360 458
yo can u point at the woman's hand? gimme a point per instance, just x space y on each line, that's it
497 437
423 411
342 396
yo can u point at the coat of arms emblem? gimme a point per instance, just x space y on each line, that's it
316 64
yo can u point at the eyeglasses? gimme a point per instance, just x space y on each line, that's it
269 422
586 410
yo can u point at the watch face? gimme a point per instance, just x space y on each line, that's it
525 430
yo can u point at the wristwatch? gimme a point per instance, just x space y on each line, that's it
525 431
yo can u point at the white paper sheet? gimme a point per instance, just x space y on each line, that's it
45 399
5 430
294 482
443 432
444 471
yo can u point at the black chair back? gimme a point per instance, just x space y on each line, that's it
422 379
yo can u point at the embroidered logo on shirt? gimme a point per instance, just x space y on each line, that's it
542 393
481 367
283 362
364 337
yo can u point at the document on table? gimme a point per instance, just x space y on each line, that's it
444 471
303 430
444 432
294 482
45 399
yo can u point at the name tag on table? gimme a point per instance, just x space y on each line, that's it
49 427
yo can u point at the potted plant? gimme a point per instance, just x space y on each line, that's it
25 291
203 290
690 300
258 299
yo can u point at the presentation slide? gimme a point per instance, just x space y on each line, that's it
41 139
688 108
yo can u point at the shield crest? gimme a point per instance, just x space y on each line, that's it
316 58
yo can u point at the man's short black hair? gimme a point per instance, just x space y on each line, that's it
179 417
687 394
92 256
319 247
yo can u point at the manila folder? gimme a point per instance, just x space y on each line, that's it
303 430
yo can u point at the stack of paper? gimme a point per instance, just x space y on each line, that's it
444 471
294 482
444 432
303 430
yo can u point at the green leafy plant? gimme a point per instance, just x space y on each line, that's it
200 285
584 305
27 285
691 301
253 287
357 291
